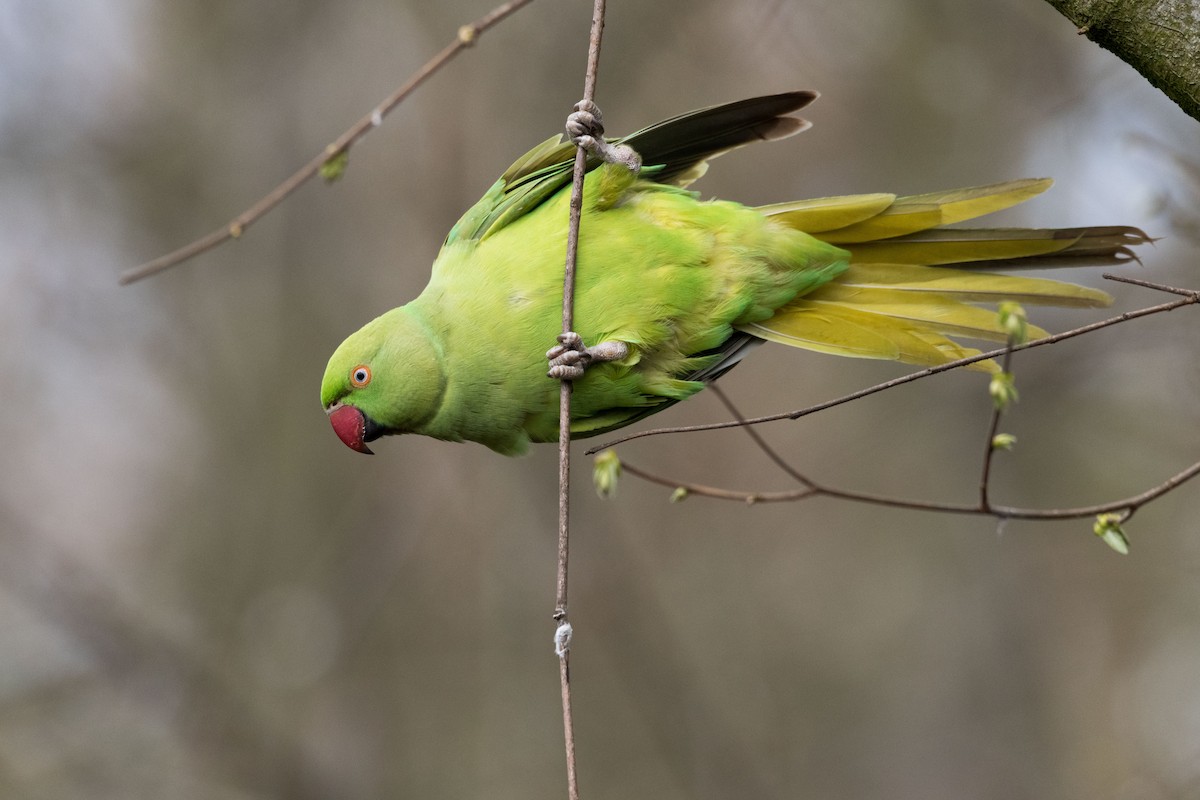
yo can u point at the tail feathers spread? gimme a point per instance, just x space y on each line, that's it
898 301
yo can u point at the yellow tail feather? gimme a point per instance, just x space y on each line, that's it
970 286
936 311
828 213
843 331
923 211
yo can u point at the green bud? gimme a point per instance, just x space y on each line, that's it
1013 321
335 166
1108 527
1003 441
606 469
679 495
1003 390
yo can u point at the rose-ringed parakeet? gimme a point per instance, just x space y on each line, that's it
672 291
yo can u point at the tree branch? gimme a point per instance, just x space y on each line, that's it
562 635
1158 38
329 161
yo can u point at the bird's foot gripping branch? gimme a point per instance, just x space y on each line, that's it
571 357
585 128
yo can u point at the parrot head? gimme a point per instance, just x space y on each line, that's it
384 379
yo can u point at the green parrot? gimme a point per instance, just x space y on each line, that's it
673 291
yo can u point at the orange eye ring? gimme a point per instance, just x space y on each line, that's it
360 376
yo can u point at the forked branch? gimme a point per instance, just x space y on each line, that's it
1109 514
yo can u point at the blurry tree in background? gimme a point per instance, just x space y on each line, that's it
205 595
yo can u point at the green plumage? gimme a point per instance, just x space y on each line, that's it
685 284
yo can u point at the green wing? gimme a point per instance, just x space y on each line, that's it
675 151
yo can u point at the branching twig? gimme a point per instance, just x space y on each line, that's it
563 632
1187 297
1126 506
809 488
467 35
761 443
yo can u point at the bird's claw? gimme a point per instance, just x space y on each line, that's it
570 358
585 125
585 128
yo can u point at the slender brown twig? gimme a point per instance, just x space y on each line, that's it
1187 297
467 36
563 632
761 443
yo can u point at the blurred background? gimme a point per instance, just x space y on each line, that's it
204 594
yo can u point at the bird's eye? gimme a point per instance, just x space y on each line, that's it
361 376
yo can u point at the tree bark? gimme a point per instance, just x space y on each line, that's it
1158 38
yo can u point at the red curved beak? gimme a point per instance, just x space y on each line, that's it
350 425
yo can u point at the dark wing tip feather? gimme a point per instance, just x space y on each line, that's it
681 143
